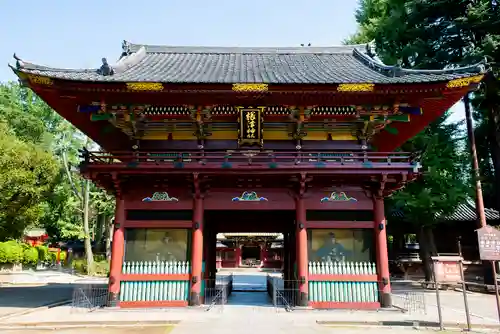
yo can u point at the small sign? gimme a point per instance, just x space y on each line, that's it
489 243
447 269
250 126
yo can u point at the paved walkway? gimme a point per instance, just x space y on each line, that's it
250 311
203 330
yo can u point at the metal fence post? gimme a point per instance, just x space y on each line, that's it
273 285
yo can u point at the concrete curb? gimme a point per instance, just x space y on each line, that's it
88 324
410 324
36 309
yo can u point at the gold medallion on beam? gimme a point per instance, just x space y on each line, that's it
39 80
145 86
242 87
464 82
356 87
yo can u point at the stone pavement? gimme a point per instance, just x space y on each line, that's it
207 330
248 310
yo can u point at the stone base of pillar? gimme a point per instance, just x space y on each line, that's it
303 299
385 300
113 299
194 299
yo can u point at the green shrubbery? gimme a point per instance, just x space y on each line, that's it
43 253
101 266
13 252
30 256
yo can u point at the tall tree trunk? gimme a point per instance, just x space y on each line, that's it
109 233
100 231
86 230
427 249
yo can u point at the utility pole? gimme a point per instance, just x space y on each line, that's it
475 164
489 271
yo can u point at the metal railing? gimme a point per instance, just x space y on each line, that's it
89 297
217 291
246 158
283 293
408 296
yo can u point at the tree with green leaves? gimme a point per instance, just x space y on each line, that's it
442 187
71 207
27 174
439 34
431 35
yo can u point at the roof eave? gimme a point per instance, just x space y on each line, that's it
475 69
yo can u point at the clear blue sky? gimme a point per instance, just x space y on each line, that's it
77 34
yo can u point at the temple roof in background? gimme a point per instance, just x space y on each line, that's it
464 212
274 236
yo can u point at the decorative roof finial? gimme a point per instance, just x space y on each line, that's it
370 49
126 46
125 49
19 62
105 68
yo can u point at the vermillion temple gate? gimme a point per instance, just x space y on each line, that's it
203 140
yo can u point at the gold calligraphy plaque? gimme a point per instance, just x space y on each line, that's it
250 126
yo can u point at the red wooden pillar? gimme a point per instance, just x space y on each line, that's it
302 260
117 252
381 249
197 252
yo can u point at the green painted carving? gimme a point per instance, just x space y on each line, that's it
160 197
249 196
340 197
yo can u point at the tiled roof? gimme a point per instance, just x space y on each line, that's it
223 236
35 232
226 65
464 212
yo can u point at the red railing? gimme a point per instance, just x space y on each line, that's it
241 158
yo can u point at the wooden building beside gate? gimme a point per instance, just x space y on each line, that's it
204 140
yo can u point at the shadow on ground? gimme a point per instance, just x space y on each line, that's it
15 299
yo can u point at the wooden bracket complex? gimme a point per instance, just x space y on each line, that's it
196 186
117 185
378 191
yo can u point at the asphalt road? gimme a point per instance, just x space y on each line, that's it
16 299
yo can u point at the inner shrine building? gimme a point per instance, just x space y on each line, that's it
199 141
